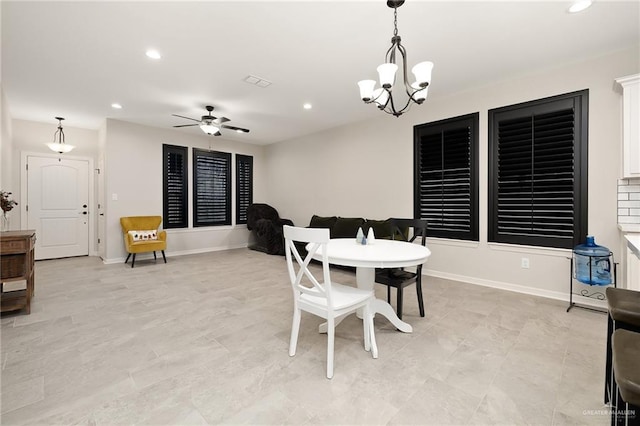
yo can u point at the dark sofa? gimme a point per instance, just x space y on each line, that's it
347 227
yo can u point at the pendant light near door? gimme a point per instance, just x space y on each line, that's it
58 144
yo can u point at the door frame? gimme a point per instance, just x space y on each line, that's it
93 208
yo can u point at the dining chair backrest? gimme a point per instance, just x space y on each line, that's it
316 240
404 227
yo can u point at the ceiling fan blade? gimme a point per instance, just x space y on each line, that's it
182 116
237 129
220 120
186 125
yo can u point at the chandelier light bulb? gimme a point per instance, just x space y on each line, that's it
387 73
381 97
422 71
366 89
421 94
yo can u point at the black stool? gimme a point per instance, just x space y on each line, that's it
626 367
624 313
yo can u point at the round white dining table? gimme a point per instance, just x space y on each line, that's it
379 254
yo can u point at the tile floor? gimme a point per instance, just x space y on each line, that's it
204 339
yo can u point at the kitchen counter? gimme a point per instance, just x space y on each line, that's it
633 242
629 227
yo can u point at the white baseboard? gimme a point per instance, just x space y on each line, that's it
175 253
532 291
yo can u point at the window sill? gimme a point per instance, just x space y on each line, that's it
541 251
449 242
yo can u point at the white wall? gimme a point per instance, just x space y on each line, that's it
133 172
6 183
365 170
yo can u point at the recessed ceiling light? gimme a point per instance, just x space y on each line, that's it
307 106
153 54
116 106
239 131
580 5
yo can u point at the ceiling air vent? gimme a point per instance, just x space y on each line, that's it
257 81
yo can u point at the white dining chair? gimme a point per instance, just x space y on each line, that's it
325 299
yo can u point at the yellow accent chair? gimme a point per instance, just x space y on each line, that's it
141 235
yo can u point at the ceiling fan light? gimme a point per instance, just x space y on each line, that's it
387 73
366 89
209 129
422 71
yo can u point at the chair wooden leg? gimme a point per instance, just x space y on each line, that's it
133 261
420 300
330 343
399 301
295 328
164 257
128 256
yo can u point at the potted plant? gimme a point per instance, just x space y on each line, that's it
7 204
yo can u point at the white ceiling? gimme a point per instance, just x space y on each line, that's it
75 59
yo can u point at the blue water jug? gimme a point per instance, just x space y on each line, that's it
592 263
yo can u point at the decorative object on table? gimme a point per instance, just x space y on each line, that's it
211 125
401 277
592 265
141 235
359 236
371 237
320 295
265 224
383 96
58 145
7 204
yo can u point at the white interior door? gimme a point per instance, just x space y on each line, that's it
58 206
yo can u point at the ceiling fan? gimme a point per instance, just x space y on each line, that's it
211 125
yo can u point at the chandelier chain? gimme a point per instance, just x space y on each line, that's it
395 21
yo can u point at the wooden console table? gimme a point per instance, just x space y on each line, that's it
17 257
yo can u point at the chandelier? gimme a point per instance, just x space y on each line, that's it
383 96
58 144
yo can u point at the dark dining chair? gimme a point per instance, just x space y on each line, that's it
399 278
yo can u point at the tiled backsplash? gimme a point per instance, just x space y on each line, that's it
629 200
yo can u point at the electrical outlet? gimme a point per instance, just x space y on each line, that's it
524 263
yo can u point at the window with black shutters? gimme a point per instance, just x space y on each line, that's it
174 164
538 172
244 186
446 177
211 188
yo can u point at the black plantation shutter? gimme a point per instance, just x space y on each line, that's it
174 164
211 188
446 184
538 172
244 186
